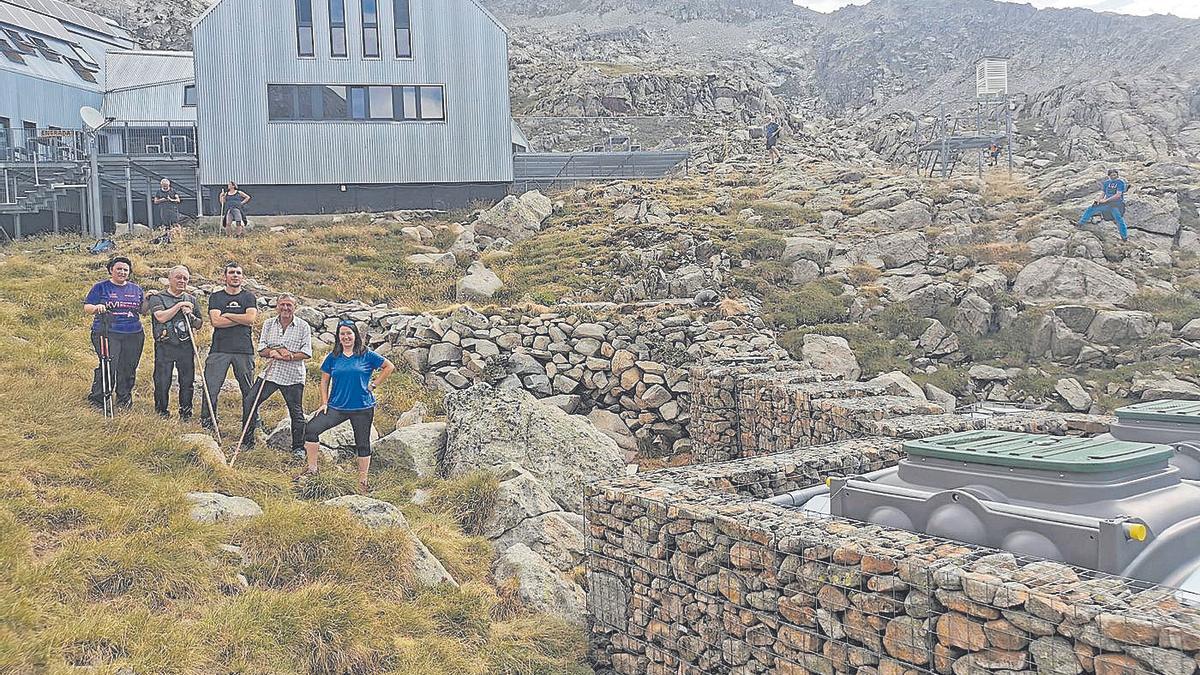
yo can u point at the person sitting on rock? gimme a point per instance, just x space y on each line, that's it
1111 204
347 394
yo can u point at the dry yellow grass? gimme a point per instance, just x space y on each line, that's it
101 568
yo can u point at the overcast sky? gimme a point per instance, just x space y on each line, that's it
1187 8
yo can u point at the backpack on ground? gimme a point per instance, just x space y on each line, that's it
103 246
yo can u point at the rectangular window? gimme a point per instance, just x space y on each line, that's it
358 102
433 105
10 53
335 102
281 101
337 28
370 29
403 29
5 126
83 55
304 28
381 103
189 95
406 103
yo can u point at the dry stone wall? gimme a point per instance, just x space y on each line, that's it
690 572
630 360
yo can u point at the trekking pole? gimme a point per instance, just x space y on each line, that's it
253 412
212 414
106 376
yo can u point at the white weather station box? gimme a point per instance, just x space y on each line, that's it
991 77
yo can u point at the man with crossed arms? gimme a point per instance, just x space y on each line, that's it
287 342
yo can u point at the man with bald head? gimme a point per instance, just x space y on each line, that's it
171 312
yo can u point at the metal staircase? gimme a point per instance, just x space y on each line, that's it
28 189
943 135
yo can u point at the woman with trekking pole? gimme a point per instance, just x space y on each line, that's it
117 336
347 394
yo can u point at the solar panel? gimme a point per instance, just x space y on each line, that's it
65 12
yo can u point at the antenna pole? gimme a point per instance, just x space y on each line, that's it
96 208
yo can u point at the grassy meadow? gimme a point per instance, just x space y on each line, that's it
103 571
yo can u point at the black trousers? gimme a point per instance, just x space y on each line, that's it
216 367
293 396
360 421
125 351
168 359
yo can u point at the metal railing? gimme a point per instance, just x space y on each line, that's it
129 138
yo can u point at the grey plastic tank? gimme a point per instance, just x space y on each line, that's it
1170 422
1109 505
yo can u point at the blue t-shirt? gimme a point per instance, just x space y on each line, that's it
351 376
1112 186
124 305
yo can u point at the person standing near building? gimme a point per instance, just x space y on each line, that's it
347 393
232 312
171 313
771 133
286 341
166 205
233 204
116 304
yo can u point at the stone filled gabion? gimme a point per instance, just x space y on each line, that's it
690 573
750 409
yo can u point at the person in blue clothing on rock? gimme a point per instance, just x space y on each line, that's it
1111 204
347 393
116 303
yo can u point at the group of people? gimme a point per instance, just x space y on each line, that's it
166 210
347 383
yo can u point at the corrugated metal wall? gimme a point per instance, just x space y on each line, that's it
24 98
241 45
159 103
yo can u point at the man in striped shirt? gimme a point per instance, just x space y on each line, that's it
287 342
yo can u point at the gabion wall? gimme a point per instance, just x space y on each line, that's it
690 572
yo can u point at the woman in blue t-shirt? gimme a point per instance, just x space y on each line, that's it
346 394
117 304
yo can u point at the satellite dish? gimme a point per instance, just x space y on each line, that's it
92 118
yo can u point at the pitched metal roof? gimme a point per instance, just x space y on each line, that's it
133 69
64 12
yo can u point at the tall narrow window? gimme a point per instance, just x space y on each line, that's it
403 30
337 28
189 95
370 29
358 102
304 28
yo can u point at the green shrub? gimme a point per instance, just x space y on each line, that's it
757 244
813 303
1174 308
471 499
783 215
875 353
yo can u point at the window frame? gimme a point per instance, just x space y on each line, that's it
333 25
186 89
405 25
357 99
372 25
302 25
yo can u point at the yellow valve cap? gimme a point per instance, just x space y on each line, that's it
1136 531
828 482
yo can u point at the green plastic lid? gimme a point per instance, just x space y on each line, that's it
1169 410
1035 451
